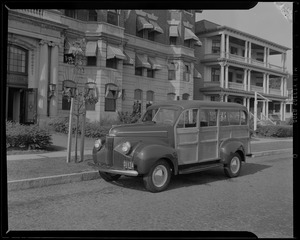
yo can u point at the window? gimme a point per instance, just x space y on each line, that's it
92 16
223 118
188 119
171 96
186 73
17 60
243 118
229 76
112 17
111 95
90 106
112 63
70 13
233 50
215 46
173 40
171 75
151 35
288 108
188 43
239 78
141 33
91 61
185 96
139 71
234 117
208 118
215 74
149 98
66 103
213 98
150 73
260 56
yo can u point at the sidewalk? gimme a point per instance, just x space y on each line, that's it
43 169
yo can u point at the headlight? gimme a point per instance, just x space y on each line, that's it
125 147
98 144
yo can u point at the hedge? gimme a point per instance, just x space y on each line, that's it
275 131
26 136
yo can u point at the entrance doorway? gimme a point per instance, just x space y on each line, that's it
21 105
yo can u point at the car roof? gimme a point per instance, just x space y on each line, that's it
185 104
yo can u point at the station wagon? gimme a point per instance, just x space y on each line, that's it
176 137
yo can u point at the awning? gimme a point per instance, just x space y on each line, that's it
141 61
142 23
128 60
90 49
112 95
154 64
114 52
171 66
188 34
197 74
198 43
173 31
156 27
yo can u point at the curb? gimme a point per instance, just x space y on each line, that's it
51 180
91 175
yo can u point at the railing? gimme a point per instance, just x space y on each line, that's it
256 89
275 91
265 118
33 12
212 55
211 84
235 85
236 57
272 66
256 62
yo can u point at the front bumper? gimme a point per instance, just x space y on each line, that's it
104 168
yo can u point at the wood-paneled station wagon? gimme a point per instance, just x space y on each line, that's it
176 137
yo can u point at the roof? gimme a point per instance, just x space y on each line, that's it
185 104
204 26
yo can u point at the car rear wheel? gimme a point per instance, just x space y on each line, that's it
109 177
158 178
233 168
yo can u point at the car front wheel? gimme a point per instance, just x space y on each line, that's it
158 178
233 168
109 177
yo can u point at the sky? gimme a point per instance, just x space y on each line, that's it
264 20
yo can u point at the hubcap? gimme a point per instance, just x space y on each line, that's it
235 165
160 176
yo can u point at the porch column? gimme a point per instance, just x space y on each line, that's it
226 76
264 108
221 97
222 45
264 83
267 109
249 52
249 80
54 79
281 86
248 104
246 51
227 46
245 79
281 111
43 80
283 58
284 87
226 98
268 84
265 56
245 101
222 76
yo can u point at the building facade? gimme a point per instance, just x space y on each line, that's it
234 65
134 58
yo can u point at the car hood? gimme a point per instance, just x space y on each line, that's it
147 129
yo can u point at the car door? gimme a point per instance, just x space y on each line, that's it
187 137
208 135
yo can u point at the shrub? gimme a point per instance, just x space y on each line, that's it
126 117
26 136
289 121
275 131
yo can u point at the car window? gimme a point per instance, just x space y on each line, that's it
208 117
188 119
166 115
243 118
223 118
234 117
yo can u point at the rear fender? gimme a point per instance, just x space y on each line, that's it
229 147
146 155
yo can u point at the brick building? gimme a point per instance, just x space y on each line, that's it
133 57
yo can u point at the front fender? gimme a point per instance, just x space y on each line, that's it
229 147
147 154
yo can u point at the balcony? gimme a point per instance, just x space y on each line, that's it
236 57
51 14
211 84
275 91
235 85
256 89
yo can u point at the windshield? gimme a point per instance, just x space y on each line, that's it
161 115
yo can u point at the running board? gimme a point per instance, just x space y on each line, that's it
199 168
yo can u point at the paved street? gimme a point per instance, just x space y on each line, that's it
260 201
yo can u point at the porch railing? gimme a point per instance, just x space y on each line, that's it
33 12
256 89
235 85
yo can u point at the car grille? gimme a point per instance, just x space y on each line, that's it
110 147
